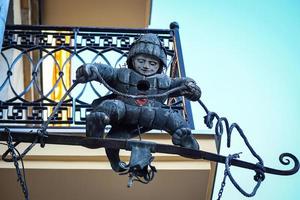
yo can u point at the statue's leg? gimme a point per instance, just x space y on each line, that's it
172 122
107 112
113 154
135 122
95 124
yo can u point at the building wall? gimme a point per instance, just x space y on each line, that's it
103 13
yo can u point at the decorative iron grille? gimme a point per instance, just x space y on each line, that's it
28 65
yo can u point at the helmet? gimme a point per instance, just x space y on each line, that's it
148 44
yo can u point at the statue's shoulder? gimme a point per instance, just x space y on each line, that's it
101 65
163 81
123 74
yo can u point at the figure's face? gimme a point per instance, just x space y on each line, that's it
146 65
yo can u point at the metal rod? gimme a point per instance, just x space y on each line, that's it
45 125
64 139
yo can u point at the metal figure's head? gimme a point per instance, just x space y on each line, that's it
145 65
149 46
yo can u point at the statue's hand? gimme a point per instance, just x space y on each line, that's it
192 92
86 73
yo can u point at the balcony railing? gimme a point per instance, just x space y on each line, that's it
32 71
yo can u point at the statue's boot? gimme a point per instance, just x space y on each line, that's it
95 124
184 137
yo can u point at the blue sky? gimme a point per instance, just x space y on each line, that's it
245 56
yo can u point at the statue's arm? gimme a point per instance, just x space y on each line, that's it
191 91
94 72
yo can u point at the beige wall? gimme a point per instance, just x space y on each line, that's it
103 13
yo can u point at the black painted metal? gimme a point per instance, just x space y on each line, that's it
180 71
93 143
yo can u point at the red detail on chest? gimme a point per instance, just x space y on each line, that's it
141 102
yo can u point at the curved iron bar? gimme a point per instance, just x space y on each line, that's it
260 170
36 68
38 65
23 52
107 62
102 56
238 187
171 61
124 55
27 88
80 94
9 73
259 167
76 53
59 68
63 66
50 53
7 63
94 89
54 86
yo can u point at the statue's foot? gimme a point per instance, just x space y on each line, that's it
183 137
95 124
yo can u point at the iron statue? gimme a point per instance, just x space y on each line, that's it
130 117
